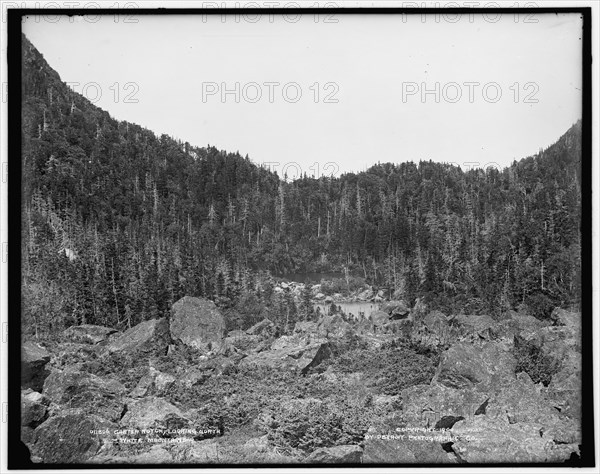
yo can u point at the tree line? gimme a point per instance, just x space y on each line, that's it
119 223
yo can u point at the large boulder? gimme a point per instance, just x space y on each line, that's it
265 327
154 413
332 326
526 322
391 441
288 343
71 437
33 365
343 454
291 352
427 405
480 325
396 309
88 392
197 323
465 365
562 317
477 424
436 321
34 408
154 382
480 412
88 334
515 323
147 338
489 440
557 342
564 390
562 345
523 402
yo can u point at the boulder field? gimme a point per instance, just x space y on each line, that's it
505 390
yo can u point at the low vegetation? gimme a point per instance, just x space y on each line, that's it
537 365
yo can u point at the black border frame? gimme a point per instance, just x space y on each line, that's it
14 22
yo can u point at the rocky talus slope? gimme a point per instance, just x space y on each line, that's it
425 388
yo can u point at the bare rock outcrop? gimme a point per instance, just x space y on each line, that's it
34 408
465 365
92 394
33 365
344 454
88 334
154 413
71 437
147 338
291 352
154 382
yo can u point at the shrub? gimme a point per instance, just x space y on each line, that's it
541 305
391 368
240 397
180 356
45 309
309 426
440 337
126 369
247 311
532 361
242 394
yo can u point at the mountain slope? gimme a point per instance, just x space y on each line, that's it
120 223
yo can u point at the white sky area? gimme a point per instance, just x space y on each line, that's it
167 62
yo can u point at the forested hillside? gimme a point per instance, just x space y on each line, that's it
118 223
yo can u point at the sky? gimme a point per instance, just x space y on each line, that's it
330 94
